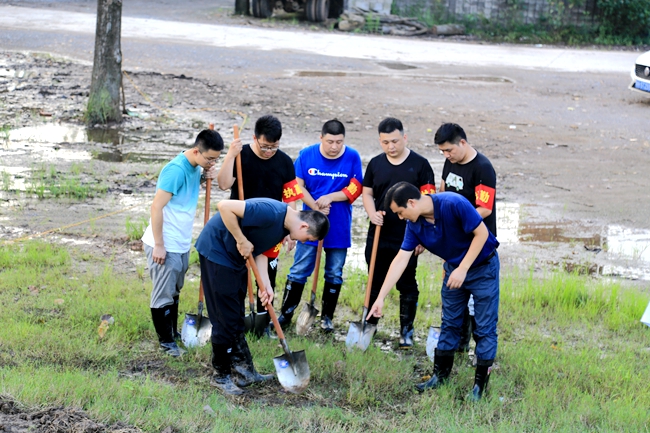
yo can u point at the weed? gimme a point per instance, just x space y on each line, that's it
48 182
135 229
4 132
100 108
6 181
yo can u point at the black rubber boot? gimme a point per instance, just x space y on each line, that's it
465 332
443 362
481 378
221 378
243 370
408 307
373 297
290 301
330 299
174 317
162 322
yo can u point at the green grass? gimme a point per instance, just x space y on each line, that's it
135 229
47 182
573 357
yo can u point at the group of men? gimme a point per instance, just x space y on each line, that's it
398 194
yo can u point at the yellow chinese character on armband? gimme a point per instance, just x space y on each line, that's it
352 188
483 196
288 192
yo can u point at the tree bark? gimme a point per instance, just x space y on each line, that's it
104 99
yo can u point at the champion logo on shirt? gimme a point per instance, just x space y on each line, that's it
317 172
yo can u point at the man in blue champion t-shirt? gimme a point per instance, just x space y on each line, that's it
330 176
448 225
239 229
168 238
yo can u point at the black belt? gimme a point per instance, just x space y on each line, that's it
486 261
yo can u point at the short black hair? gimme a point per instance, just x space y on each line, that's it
401 193
449 133
209 139
270 127
319 224
389 125
333 127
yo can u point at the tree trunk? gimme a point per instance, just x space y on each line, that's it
104 99
242 7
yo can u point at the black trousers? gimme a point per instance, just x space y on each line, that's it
225 294
406 285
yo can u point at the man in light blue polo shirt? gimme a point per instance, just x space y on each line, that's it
168 237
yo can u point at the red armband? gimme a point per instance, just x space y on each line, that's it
485 196
291 191
353 190
274 252
428 189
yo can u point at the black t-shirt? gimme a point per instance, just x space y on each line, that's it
477 182
380 176
263 177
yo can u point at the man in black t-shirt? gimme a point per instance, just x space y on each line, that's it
268 172
470 174
396 164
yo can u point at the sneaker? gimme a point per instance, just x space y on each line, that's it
172 349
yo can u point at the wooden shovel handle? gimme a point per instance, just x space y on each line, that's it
371 271
206 216
319 252
269 306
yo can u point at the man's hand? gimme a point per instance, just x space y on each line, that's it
159 254
418 250
375 311
266 296
245 248
235 148
324 202
289 243
211 173
456 278
378 218
325 210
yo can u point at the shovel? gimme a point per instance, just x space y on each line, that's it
309 312
197 329
292 368
361 333
432 341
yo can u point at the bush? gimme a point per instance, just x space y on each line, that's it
624 21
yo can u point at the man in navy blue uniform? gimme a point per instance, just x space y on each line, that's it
448 225
239 229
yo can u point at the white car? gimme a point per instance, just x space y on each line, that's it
641 74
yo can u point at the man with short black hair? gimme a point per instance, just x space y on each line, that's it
267 172
397 163
329 174
239 229
168 238
450 227
470 174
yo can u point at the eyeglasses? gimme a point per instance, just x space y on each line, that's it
267 147
210 161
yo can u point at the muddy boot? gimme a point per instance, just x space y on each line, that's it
163 324
221 378
330 298
292 295
408 307
243 371
174 317
443 362
465 332
481 378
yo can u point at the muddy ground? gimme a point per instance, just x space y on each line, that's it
571 153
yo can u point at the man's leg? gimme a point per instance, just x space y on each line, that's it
225 291
334 262
165 280
407 286
303 265
180 282
262 318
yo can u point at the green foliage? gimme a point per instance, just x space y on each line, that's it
624 21
135 229
100 108
6 180
48 182
373 24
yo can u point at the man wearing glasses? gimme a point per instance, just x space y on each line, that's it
168 237
268 172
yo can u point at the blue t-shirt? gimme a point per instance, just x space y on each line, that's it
323 176
451 234
182 180
263 226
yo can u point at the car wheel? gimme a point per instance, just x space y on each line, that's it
263 8
317 10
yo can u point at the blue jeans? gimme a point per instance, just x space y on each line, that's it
304 262
483 284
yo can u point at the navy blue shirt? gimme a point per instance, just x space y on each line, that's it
451 234
263 226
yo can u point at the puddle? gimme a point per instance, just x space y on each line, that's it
437 78
397 66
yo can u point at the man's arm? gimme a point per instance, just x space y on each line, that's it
225 178
442 185
484 212
306 198
266 296
395 271
368 198
160 200
457 277
231 211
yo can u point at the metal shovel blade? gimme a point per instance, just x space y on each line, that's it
195 332
306 318
432 341
249 322
293 374
261 324
360 335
